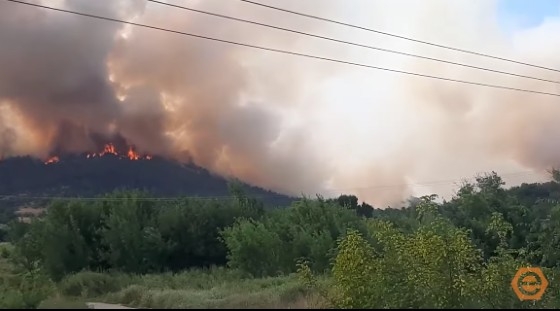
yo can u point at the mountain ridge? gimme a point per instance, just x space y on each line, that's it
78 176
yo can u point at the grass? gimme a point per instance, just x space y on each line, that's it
193 289
209 288
213 288
280 292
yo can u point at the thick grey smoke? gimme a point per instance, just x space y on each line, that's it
7 138
53 73
286 123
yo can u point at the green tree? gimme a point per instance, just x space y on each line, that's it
253 248
433 267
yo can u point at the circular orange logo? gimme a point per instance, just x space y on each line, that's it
529 283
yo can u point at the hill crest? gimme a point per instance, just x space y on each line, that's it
83 176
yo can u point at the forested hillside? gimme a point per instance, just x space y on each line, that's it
330 252
78 176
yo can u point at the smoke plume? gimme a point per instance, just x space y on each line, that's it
294 125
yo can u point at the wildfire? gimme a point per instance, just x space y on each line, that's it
52 160
110 149
132 154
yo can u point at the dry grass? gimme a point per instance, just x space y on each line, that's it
217 288
280 292
214 289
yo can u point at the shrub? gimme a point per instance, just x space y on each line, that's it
11 299
91 284
5 250
27 292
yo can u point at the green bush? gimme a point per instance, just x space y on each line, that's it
5 250
32 297
4 253
132 295
11 299
271 246
91 284
25 291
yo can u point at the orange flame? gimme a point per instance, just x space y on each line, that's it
109 149
132 154
52 160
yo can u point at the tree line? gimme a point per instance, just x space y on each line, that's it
459 253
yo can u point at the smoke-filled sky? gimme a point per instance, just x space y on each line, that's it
290 124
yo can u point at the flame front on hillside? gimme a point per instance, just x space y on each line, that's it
131 154
52 160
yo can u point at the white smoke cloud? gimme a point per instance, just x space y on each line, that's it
283 122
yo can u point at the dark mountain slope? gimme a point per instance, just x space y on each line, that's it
77 176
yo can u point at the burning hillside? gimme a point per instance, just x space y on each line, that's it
271 119
109 149
24 179
86 163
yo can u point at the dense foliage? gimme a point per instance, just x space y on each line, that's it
456 254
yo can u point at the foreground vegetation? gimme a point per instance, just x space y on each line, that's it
210 288
129 248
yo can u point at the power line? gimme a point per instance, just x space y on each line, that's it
21 197
352 43
161 198
399 36
285 51
273 50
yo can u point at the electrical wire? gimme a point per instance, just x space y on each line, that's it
256 47
287 52
352 43
399 36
